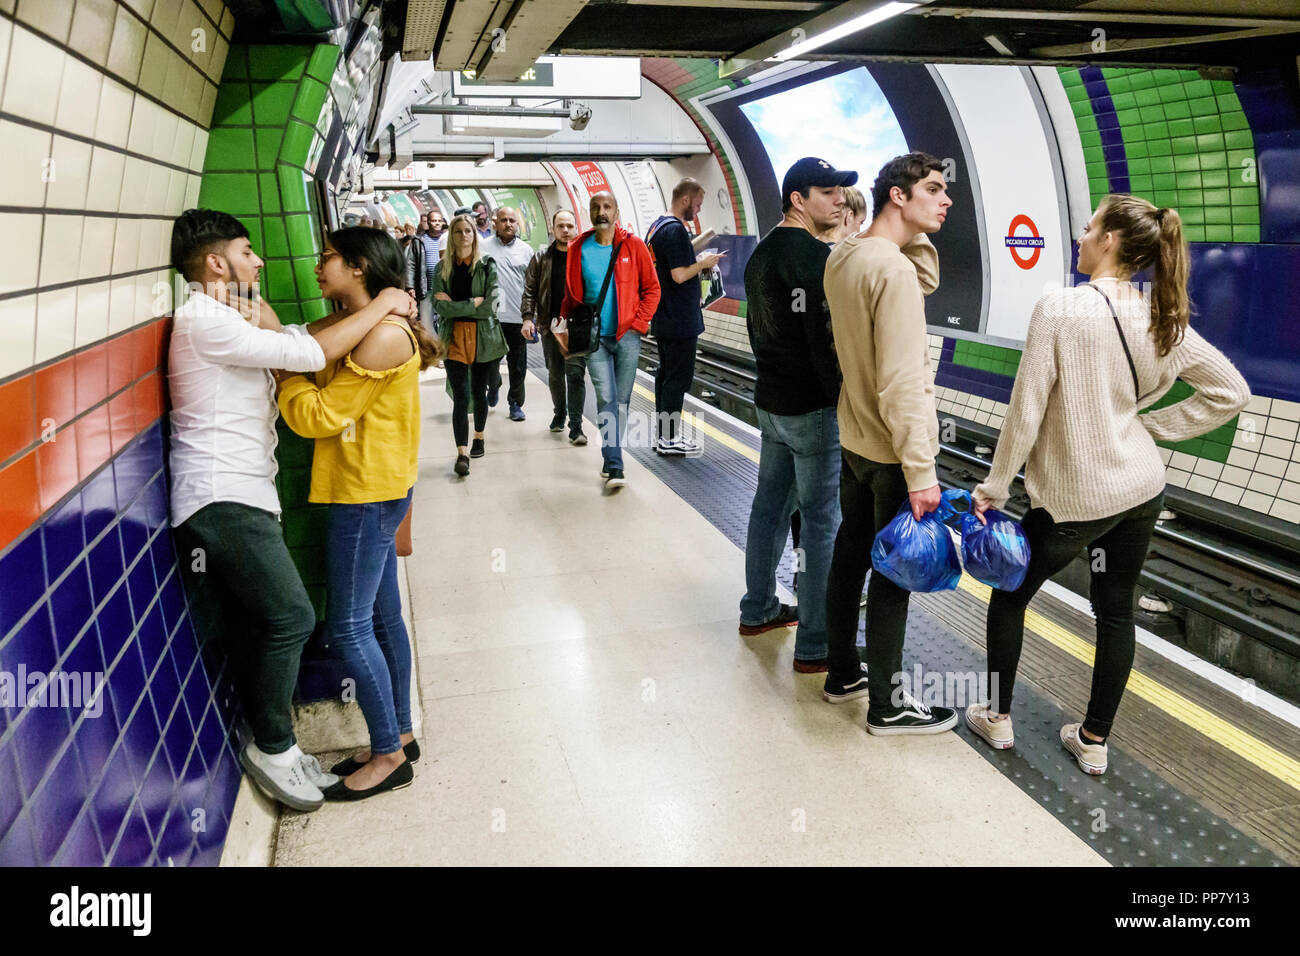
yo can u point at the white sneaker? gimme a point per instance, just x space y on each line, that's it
316 774
289 785
996 733
1091 756
667 446
688 448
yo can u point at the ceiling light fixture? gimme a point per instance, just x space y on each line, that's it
818 40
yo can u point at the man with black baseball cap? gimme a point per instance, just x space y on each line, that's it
796 393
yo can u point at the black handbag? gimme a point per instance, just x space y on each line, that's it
584 320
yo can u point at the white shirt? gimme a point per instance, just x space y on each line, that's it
223 405
512 262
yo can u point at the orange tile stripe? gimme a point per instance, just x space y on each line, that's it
64 421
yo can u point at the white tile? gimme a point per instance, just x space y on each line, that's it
1252 423
155 194
1293 471
153 68
56 323
1207 468
1271 466
32 78
176 193
97 247
192 192
165 135
179 71
113 124
1288 410
106 169
1290 490
54 19
142 7
1258 404
21 262
163 17
135 186
17 332
1265 484
143 121
207 103
1256 501
1235 476
1281 428
127 47
80 88
1177 478
62 235
126 246
228 22
1201 485
6 33
1229 493
1183 461
1165 454
200 148
92 313
24 162
1243 458
121 305
1286 510
92 29
1277 448
181 145
70 174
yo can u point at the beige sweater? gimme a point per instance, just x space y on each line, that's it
886 410
1073 416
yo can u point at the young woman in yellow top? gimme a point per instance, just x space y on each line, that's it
364 412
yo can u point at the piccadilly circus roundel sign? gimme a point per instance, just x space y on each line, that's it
1032 243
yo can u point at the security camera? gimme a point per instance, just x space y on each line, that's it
579 116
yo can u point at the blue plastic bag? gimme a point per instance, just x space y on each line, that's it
996 553
917 555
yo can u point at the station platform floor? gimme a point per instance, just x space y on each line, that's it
586 698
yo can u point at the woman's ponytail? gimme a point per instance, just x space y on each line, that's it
1169 305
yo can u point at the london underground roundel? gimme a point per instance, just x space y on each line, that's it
1032 242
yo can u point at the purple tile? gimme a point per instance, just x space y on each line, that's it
177 841
194 783
99 502
212 736
185 653
23 571
156 792
29 649
113 796
70 604
82 847
1112 139
178 735
143 590
180 739
11 799
105 564
18 846
135 847
96 736
1107 121
164 553
64 537
141 739
126 682
154 503
115 624
82 671
36 739
55 807
132 471
135 530
151 638
197 694
171 596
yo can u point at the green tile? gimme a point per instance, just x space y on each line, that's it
1244 196
304 270
1241 158
1214 178
1209 141
1218 215
1195 233
1197 88
230 149
1183 145
1128 118
1178 109
1086 121
1137 151
234 193
1214 160
1142 80
293 189
254 226
1122 101
279 282
1151 114
1158 130
1165 198
1245 215
311 97
303 238
1245 233
1204 106
1147 97
269 188
232 105
1167 77
277 243
1206 124
1234 121
268 146
1186 162
1218 234
1164 181
1160 147
1162 164
1190 197
1081 107
1140 167
323 61
1238 139
271 103
1216 197
1181 127
1170 92
296 143
236 67
290 312
1091 139
1221 87
316 309
1139 185
1192 215
1070 77
277 61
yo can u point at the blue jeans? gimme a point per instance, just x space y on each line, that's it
799 467
364 615
613 371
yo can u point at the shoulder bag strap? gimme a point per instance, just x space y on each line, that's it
609 274
1137 391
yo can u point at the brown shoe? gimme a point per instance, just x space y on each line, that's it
787 616
810 667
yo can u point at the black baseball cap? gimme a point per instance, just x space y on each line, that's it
811 171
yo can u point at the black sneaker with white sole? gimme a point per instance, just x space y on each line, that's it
836 691
911 718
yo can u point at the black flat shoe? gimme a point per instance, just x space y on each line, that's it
346 768
476 448
462 465
399 778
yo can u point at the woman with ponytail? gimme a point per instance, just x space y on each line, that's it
364 412
1095 356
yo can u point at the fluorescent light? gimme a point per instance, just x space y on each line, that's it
995 41
883 12
486 160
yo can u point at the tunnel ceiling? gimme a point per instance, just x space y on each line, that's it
1195 33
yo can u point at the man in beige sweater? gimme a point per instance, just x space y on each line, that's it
875 285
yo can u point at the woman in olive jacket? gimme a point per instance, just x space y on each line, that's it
465 297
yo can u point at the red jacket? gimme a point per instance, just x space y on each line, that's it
634 281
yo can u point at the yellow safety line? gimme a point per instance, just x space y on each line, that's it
1251 748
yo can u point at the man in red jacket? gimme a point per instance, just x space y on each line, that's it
625 315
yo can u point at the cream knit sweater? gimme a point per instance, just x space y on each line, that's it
1073 415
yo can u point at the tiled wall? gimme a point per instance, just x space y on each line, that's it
103 115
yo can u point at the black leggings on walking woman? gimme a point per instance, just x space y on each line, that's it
1116 549
468 381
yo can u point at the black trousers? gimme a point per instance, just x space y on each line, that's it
870 495
672 381
516 363
468 381
567 379
1117 547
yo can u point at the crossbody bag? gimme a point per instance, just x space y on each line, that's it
584 320
1137 391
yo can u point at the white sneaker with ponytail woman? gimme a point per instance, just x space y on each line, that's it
1095 355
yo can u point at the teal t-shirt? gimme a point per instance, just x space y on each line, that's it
595 260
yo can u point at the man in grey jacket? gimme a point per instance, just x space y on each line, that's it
543 292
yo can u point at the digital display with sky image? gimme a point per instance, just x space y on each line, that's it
855 126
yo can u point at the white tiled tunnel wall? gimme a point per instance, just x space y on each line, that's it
104 109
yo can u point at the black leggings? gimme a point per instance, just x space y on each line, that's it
1116 549
468 381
